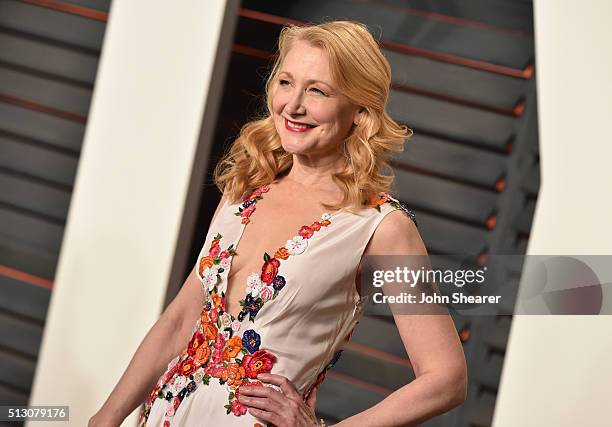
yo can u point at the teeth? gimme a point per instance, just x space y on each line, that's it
297 126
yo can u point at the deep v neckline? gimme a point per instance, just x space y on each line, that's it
268 274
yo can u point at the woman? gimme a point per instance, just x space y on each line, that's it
304 187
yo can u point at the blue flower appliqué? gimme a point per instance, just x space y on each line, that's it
278 283
251 340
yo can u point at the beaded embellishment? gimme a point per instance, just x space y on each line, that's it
383 198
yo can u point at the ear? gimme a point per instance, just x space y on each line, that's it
359 114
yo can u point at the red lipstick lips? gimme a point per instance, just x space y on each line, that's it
300 127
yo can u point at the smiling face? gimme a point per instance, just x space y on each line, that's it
310 115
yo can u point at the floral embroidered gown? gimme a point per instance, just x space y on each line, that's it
298 311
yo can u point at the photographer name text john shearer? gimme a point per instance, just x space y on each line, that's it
455 298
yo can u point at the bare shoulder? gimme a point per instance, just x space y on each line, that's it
396 234
224 199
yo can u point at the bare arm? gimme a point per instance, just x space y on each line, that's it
164 341
431 342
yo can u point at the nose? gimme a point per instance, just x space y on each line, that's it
295 105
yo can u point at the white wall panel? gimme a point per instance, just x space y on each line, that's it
557 369
129 199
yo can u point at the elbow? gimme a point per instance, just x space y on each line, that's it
457 389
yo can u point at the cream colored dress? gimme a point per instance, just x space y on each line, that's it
298 311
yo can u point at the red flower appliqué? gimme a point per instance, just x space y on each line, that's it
259 362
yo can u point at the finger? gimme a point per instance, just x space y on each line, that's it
260 403
312 398
269 417
283 382
308 414
256 390
263 392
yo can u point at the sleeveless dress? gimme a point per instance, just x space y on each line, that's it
297 313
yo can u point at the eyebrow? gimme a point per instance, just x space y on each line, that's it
309 81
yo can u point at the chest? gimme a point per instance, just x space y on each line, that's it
316 253
274 240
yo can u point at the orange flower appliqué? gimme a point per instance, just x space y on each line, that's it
282 253
210 330
234 374
232 347
205 262
202 355
216 299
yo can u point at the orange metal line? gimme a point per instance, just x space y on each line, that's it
514 112
251 51
518 109
25 277
457 60
72 9
428 172
409 50
360 383
454 20
267 17
30 105
378 354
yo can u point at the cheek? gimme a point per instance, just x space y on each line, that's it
278 103
324 114
333 118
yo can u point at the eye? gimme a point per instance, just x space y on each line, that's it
283 82
318 90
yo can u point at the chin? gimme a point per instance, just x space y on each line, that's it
292 148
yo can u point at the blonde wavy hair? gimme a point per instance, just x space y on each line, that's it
361 73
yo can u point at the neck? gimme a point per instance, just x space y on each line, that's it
319 177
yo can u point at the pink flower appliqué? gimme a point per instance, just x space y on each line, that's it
266 293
